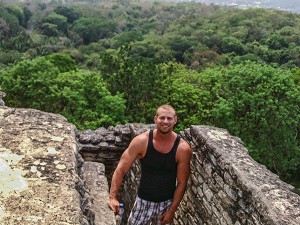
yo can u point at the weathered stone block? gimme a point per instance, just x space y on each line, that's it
38 177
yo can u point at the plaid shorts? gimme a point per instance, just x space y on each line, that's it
147 213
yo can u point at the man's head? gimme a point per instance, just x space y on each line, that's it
165 118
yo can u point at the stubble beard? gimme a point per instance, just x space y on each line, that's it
162 131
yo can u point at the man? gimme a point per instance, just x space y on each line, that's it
165 161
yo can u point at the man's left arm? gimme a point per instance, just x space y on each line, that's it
183 156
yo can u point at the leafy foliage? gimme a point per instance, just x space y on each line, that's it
58 20
178 87
133 77
93 29
54 84
70 13
84 106
260 104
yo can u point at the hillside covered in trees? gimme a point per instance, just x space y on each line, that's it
102 63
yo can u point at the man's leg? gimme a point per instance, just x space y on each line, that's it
141 213
161 208
147 213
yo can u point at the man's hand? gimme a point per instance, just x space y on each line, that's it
114 204
167 217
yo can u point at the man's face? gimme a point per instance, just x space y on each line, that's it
165 120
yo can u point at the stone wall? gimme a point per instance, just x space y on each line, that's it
229 187
43 179
107 145
226 186
38 169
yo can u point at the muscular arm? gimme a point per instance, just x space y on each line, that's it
124 165
183 172
134 150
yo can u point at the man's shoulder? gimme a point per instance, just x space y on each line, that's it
139 144
184 146
140 139
184 152
143 136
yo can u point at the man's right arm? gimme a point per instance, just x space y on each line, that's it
135 149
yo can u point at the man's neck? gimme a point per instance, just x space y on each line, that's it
163 136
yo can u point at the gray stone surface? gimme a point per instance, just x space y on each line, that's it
97 193
38 169
231 187
39 173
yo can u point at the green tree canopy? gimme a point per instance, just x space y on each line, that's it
59 20
94 29
54 84
134 77
9 22
84 99
178 86
70 13
260 104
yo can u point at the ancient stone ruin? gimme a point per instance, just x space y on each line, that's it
226 186
51 173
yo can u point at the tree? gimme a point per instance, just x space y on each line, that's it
296 76
260 104
22 42
70 13
63 62
94 29
9 22
27 16
275 42
231 44
10 57
179 45
50 30
17 11
132 76
54 84
86 102
58 20
4 29
29 83
179 87
126 38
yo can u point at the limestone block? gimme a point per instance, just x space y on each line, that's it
93 175
38 166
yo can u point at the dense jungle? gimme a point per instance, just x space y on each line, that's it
103 63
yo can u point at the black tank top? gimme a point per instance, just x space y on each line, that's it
158 178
